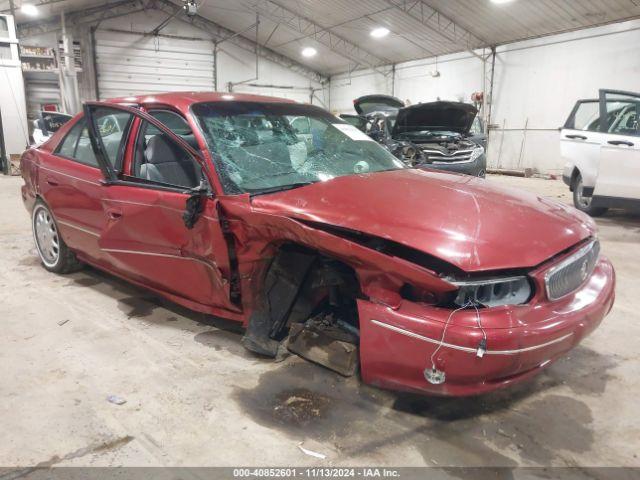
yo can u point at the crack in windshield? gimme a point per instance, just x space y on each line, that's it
265 147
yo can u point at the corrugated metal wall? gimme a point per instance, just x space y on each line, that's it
130 64
39 92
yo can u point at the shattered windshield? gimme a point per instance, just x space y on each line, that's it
266 147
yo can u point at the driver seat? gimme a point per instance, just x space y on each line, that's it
166 163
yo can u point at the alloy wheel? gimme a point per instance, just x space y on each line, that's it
46 236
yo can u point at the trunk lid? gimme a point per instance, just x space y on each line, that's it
377 103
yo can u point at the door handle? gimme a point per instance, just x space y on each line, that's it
114 214
576 137
52 182
620 142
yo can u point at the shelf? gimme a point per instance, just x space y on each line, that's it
30 55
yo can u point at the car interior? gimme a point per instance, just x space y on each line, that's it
159 159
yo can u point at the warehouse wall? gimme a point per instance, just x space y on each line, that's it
13 108
12 95
233 64
536 84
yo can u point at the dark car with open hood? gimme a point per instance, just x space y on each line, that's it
317 240
435 134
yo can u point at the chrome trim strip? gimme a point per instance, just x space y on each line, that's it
468 349
70 176
76 227
486 281
165 255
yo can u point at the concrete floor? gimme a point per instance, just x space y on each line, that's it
195 397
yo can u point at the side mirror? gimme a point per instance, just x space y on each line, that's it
195 203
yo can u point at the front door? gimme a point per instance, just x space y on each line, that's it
580 141
618 181
145 236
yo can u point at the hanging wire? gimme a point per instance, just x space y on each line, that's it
444 332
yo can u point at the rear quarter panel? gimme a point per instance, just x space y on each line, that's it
29 172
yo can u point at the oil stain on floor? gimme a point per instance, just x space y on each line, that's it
530 424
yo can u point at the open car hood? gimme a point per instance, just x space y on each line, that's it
377 103
445 116
463 220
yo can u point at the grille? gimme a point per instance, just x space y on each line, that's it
435 156
572 272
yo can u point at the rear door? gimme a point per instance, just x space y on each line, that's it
144 234
619 169
581 139
71 181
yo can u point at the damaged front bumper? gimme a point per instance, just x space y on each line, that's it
396 345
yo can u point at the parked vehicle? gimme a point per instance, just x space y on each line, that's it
47 124
442 135
321 242
600 143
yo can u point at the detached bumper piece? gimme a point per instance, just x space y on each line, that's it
396 346
322 341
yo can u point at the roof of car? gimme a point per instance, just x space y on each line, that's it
183 100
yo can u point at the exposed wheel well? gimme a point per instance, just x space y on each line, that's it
299 284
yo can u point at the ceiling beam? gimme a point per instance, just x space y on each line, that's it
126 7
323 35
441 24
238 39
81 17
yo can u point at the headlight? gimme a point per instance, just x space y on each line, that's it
476 153
493 292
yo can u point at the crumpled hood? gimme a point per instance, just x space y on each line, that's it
466 221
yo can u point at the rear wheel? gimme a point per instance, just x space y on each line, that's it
54 253
582 202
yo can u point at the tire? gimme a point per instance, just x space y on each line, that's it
583 203
54 254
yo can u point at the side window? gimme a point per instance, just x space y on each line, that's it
622 117
113 126
476 126
585 116
67 147
77 145
160 160
172 121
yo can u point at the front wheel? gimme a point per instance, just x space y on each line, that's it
54 253
582 202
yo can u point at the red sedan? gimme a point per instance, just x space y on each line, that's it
285 218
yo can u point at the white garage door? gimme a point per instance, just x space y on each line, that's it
130 64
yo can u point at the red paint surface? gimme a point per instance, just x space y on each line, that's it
465 221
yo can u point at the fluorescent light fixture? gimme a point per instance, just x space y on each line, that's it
309 52
227 97
28 9
379 32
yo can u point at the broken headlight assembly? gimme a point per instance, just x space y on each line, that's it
493 292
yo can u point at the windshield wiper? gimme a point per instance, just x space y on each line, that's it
281 188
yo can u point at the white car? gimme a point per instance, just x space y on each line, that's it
600 143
